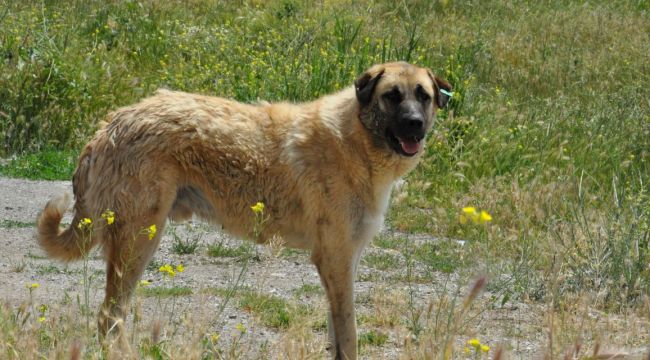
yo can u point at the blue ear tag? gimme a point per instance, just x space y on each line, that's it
450 94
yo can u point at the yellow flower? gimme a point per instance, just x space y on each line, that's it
41 319
241 328
485 348
145 282
474 342
167 270
152 231
258 207
470 213
180 268
109 216
485 217
32 286
467 350
469 210
215 337
85 222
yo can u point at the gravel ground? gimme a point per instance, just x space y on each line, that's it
519 327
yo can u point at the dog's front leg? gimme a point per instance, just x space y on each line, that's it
335 262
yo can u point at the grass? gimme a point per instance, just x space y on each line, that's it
381 261
372 338
184 246
164 291
52 269
308 290
42 165
14 224
272 311
222 250
547 131
444 256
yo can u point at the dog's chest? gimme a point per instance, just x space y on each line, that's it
373 218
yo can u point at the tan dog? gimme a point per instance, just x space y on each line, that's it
324 169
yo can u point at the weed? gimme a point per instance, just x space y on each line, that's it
18 267
185 247
52 269
308 290
445 256
372 338
164 292
381 261
14 224
220 249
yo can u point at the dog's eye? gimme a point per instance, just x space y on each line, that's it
393 96
422 94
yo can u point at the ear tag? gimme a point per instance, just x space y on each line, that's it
450 94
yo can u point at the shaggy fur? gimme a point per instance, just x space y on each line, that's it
323 169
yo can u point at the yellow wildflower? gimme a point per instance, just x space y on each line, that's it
109 216
152 231
32 286
485 348
474 342
258 207
241 328
215 337
145 282
41 319
467 350
167 270
180 268
85 222
485 217
470 213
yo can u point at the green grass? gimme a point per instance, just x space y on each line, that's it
372 338
444 256
386 241
272 311
164 291
222 250
308 290
185 246
381 261
53 269
14 224
42 165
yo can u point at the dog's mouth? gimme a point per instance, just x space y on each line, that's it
404 145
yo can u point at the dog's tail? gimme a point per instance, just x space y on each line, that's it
68 244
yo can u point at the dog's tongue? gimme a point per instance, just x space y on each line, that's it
410 146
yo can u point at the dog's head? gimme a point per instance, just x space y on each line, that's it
398 103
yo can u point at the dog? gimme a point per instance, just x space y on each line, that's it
324 170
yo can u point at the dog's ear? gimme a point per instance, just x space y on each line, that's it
442 90
365 84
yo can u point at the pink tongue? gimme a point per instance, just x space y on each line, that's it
410 146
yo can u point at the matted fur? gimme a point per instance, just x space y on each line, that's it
324 170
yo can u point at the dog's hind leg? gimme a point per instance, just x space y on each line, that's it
127 255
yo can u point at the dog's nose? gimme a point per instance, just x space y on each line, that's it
413 122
